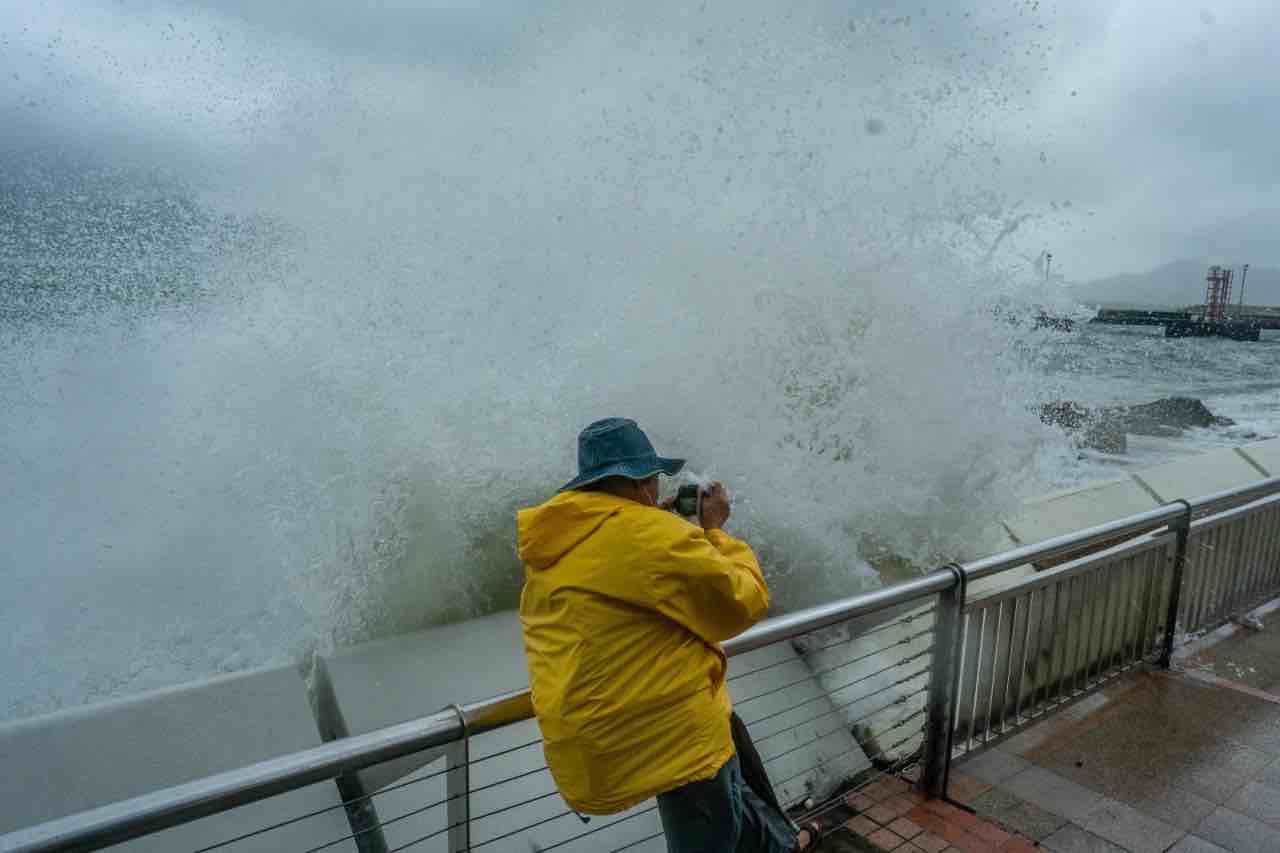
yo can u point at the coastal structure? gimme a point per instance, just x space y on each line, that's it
882 686
1216 318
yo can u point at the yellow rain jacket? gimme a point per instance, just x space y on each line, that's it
623 609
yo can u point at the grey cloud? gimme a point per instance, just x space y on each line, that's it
1128 103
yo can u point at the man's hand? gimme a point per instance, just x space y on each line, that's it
715 506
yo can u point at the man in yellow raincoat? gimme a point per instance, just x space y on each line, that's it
624 607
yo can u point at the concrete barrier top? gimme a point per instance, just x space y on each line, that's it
1065 512
1265 455
1198 475
83 758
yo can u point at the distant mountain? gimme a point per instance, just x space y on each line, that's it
1176 284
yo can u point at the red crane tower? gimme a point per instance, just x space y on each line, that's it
1217 294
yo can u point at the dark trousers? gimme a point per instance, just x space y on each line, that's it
726 813
752 766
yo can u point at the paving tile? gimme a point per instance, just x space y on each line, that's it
906 827
1053 793
883 813
1173 805
1087 706
951 814
1195 844
1270 774
964 788
859 801
902 803
1129 828
1018 845
930 843
1073 839
861 825
969 843
990 832
885 840
955 834
1238 833
1258 801
1260 734
1212 784
886 787
931 821
1042 734
994 766
1009 810
1235 754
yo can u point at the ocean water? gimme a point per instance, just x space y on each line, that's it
287 339
1101 365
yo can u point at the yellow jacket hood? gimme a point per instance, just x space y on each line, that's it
549 531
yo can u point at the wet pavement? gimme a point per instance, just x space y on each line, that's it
1186 761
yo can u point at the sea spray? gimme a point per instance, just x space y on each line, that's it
756 230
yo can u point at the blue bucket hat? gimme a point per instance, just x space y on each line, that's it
616 447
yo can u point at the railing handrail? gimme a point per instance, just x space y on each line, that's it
156 810
1238 494
1057 546
183 803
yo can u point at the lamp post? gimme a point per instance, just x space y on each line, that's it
1048 260
1244 273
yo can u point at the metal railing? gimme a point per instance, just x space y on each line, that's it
835 697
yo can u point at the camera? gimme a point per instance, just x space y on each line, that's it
688 500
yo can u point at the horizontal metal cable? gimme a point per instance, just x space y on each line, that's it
837 729
843 728
837 801
317 812
879 734
838 708
503 752
903 621
904 641
820 697
601 828
428 807
637 842
857 748
525 828
426 837
445 800
870 675
363 797
812 675
509 750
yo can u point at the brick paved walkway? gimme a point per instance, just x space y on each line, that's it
1179 762
893 817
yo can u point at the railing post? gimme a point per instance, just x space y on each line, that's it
362 815
943 686
458 789
1183 529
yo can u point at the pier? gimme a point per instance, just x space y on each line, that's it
1216 318
1192 324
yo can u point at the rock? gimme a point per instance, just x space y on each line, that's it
1088 426
1166 417
1106 428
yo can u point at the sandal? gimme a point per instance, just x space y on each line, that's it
816 833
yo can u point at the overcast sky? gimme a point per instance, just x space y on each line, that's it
1118 135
